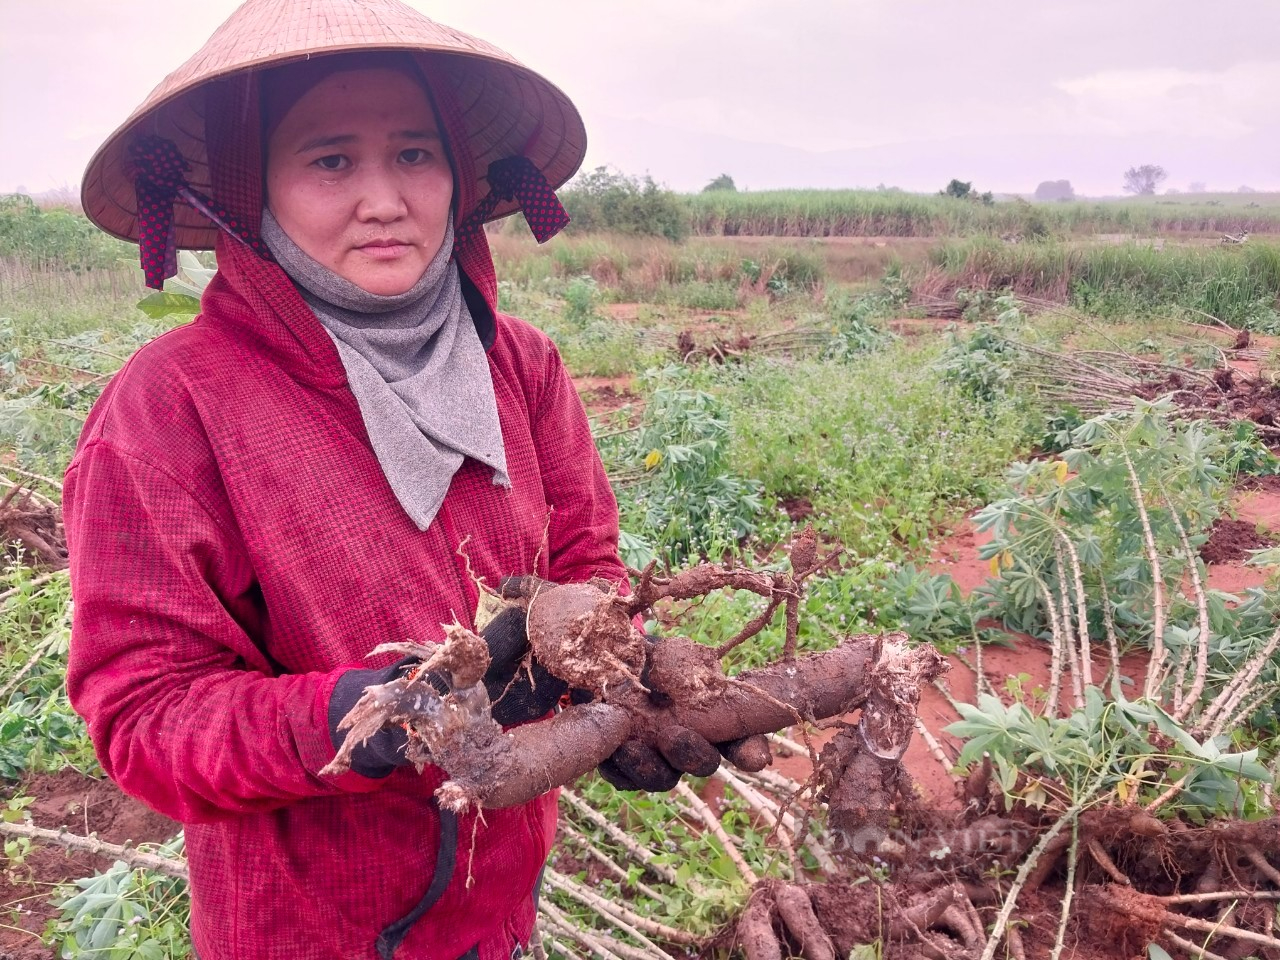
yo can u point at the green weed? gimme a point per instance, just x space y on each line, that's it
883 447
681 496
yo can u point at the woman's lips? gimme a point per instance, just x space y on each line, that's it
385 251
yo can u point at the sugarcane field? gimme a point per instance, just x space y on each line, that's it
440 518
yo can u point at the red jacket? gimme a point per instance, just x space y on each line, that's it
235 547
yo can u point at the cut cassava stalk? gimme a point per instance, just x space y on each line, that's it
70 841
712 823
589 849
638 926
643 856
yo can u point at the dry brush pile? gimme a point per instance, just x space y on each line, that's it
32 522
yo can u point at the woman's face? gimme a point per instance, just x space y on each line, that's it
358 178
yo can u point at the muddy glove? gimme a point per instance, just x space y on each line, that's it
518 695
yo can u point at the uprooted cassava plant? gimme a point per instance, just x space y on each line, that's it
584 634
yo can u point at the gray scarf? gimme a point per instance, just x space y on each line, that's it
416 366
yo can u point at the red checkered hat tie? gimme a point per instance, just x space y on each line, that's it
159 180
516 178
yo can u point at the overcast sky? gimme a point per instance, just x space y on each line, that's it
821 93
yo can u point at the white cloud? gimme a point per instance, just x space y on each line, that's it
1219 104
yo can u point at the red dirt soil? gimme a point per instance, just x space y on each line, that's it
83 805
603 395
1231 540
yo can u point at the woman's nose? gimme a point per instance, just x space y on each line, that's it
381 200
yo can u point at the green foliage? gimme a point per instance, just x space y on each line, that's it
1235 284
841 602
709 891
41 419
855 333
963 190
126 914
722 183
1087 500
581 298
889 213
681 496
589 342
927 607
1107 746
54 238
605 200
886 450
38 729
981 363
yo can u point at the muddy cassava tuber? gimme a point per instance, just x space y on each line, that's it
650 691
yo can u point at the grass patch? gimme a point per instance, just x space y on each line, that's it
1235 284
885 450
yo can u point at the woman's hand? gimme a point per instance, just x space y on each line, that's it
519 693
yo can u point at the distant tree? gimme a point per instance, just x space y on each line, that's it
963 190
1244 188
724 183
1055 190
1143 180
1198 187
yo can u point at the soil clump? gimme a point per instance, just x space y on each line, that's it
1231 540
31 528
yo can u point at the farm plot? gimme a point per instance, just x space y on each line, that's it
1084 768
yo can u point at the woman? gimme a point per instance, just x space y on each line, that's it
328 458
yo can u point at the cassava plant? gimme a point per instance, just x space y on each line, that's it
681 496
1101 546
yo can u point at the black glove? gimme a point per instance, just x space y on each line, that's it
384 751
518 695
637 765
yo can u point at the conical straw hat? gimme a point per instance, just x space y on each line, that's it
508 110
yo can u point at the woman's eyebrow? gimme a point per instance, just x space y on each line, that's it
343 139
335 141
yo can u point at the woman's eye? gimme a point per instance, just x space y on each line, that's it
413 155
332 162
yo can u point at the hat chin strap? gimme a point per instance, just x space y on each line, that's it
518 179
159 181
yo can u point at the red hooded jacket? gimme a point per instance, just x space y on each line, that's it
235 547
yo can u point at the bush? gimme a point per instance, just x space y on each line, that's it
604 200
685 497
58 238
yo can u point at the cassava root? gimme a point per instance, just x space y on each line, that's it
671 694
